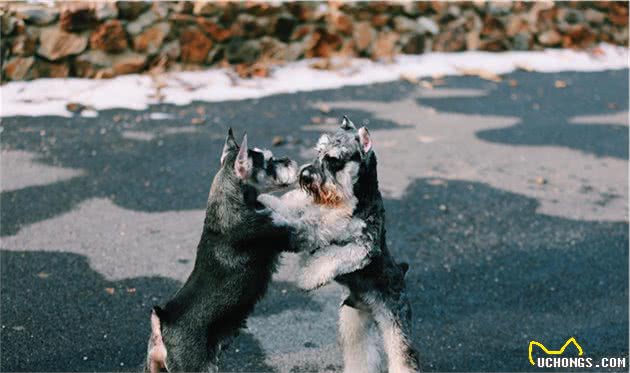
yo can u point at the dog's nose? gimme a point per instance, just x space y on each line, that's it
306 176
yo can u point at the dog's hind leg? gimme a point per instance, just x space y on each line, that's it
393 317
360 341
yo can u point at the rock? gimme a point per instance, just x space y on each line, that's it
212 28
55 44
363 35
172 50
385 46
428 26
105 10
216 54
570 16
403 24
579 36
205 9
24 44
38 16
77 19
109 37
323 44
472 40
283 29
239 51
594 16
45 69
91 62
522 41
380 20
414 45
18 68
142 22
131 9
194 45
450 41
343 24
550 38
150 40
8 24
128 63
515 25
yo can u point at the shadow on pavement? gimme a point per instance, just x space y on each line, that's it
544 110
154 165
488 274
60 315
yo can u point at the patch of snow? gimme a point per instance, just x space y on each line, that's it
137 92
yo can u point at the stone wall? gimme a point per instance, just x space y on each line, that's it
105 39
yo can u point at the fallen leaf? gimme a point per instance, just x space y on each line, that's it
197 121
43 275
512 83
131 290
316 120
409 77
323 108
541 180
425 84
524 67
481 73
110 291
278 140
200 110
560 84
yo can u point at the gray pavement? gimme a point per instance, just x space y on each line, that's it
509 201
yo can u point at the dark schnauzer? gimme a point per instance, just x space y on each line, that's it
236 258
340 225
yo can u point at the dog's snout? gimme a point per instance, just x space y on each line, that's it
307 175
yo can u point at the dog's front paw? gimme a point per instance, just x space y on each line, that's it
315 275
268 200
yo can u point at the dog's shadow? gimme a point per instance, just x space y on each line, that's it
488 273
58 314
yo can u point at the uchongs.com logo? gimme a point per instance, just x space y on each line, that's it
557 359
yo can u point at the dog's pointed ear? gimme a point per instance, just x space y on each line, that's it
230 145
242 165
365 139
346 124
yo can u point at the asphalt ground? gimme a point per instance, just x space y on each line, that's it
509 200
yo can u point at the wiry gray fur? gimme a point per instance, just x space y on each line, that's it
340 222
236 257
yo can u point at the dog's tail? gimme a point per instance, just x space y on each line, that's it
404 267
156 354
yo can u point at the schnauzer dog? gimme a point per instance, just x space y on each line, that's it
339 222
236 258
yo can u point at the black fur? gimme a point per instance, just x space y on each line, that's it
236 257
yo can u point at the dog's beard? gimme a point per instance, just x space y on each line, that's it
326 194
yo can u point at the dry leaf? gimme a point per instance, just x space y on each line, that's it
110 291
425 84
512 83
43 275
409 77
560 84
131 290
481 73
524 67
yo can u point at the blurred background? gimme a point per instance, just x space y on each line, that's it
105 38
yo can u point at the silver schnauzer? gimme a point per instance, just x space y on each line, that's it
339 220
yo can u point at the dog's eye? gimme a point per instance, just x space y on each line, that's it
334 164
